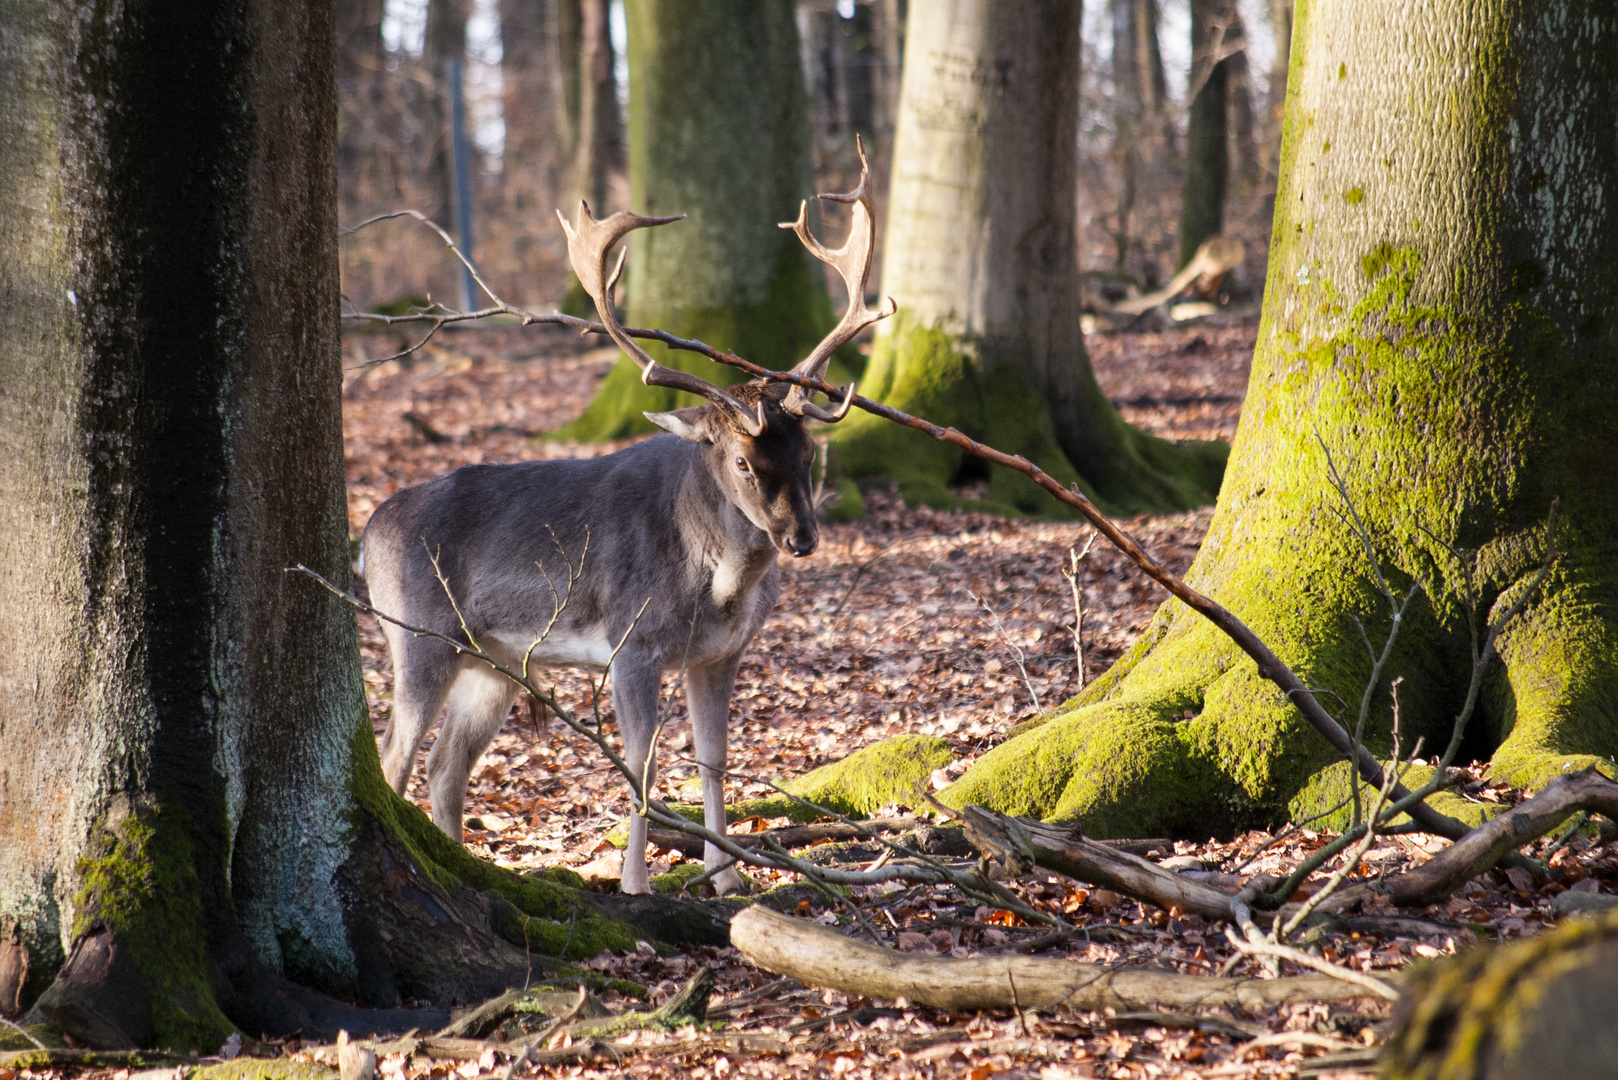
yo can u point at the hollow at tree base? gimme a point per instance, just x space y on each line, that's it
937 375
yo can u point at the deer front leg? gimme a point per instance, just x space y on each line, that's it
634 698
707 695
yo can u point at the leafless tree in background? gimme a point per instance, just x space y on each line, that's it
563 103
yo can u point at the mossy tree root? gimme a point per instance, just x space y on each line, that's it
425 920
1539 1008
1183 737
926 371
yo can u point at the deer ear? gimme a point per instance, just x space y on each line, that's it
689 424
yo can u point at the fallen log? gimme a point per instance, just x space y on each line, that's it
820 956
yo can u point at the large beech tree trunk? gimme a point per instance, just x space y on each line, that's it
192 815
718 131
1440 314
980 254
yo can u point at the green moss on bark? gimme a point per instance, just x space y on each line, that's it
1538 1007
140 882
929 372
557 915
12 1039
896 770
1328 789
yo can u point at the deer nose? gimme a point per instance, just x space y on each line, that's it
803 545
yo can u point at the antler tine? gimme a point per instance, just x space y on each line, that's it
853 262
829 416
588 243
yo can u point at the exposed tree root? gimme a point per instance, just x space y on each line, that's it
822 957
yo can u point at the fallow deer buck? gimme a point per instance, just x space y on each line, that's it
686 524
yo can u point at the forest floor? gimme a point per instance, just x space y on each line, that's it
912 621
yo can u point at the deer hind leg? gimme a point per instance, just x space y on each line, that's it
707 695
635 681
478 703
423 670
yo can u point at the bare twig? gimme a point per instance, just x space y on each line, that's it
1075 557
1016 650
1262 947
24 1032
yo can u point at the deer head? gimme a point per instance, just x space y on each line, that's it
755 444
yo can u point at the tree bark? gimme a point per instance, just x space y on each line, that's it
718 131
570 72
600 148
445 40
1276 100
1538 1009
980 255
194 827
1440 315
1207 158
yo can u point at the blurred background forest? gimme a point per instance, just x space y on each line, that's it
1169 90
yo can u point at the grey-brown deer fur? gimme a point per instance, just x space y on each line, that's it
672 521
685 525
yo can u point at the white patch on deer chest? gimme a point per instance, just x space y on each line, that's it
738 572
728 579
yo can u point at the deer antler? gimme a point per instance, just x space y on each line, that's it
588 242
853 262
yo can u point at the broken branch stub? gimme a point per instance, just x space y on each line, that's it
1021 843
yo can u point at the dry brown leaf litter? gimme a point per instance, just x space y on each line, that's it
883 631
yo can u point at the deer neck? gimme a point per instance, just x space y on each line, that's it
733 553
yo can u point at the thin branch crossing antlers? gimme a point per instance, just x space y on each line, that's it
853 262
589 241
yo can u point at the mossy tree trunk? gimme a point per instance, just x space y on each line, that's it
1537 1009
1207 157
981 257
194 828
718 131
1441 313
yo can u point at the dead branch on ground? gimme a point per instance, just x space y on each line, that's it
821 956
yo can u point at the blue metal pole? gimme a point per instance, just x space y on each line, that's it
461 152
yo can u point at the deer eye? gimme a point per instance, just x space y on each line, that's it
741 465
